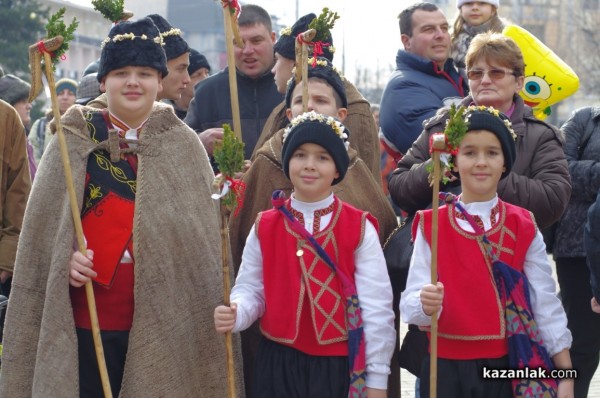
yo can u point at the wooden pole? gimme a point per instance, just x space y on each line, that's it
438 145
89 290
226 292
301 51
233 88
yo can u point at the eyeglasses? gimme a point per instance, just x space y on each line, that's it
494 74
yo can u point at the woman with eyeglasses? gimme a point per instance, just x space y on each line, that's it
539 180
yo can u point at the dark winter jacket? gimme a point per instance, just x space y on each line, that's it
211 106
416 90
591 239
585 179
538 181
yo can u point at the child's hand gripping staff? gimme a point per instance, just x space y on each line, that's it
229 155
48 51
442 145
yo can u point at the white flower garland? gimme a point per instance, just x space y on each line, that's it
494 112
312 116
130 36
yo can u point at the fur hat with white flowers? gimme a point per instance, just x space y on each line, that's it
326 131
175 46
136 43
286 44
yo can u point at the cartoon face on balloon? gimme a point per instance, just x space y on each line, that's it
548 79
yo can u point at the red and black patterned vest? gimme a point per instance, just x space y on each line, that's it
305 306
471 324
107 219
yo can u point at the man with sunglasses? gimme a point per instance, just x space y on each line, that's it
424 81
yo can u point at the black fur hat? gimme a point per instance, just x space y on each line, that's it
175 46
319 129
197 61
322 68
133 44
286 44
494 121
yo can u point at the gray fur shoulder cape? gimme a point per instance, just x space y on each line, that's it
174 350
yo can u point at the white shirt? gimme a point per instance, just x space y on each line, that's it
547 308
372 285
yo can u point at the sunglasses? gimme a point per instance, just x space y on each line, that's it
494 74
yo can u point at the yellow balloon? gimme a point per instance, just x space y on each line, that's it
548 79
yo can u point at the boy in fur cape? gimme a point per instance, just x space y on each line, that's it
154 255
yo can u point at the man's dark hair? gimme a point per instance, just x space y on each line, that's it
253 14
405 16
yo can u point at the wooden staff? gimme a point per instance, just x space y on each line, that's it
89 290
230 32
229 156
226 293
301 51
438 146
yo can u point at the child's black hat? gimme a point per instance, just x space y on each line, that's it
175 46
494 121
286 44
132 44
320 68
326 131
197 61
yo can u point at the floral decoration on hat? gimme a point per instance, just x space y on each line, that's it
313 116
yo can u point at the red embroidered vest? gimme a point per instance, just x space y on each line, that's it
305 307
472 324
107 220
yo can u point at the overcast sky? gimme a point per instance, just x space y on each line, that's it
367 31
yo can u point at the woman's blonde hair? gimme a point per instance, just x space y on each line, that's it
498 48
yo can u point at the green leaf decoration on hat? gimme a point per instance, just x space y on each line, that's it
454 132
456 128
229 156
323 24
113 10
56 27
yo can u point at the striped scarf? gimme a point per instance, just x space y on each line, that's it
525 345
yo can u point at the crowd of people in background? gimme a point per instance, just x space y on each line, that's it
141 127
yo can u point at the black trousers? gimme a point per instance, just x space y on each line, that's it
281 371
115 351
576 294
464 379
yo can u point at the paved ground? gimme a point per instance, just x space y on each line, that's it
407 380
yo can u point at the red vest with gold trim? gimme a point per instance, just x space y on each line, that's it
305 306
472 324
